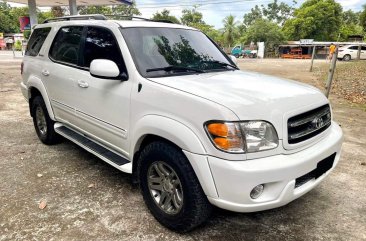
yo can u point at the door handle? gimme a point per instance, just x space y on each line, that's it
83 84
45 72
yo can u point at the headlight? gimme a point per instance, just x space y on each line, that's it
240 137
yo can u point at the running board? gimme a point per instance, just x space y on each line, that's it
98 150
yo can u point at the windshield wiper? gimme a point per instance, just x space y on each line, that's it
222 63
175 68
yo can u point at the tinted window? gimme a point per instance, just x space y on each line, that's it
363 47
353 47
100 43
157 48
66 45
36 41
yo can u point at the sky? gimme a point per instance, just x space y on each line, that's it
214 11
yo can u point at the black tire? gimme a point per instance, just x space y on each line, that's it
347 57
47 134
195 208
236 56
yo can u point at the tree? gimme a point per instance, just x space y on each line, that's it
250 18
191 16
350 17
315 19
165 15
230 31
263 30
126 9
58 11
363 18
278 13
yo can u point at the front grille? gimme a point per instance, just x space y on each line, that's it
308 124
322 167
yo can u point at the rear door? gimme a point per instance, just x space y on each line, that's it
103 104
61 72
363 52
353 51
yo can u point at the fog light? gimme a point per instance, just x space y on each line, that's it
257 191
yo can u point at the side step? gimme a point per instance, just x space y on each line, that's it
100 151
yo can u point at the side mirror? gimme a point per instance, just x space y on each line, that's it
104 68
233 58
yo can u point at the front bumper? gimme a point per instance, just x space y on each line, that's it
234 180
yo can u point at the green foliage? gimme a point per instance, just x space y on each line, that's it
18 45
26 34
165 15
350 17
349 29
126 10
263 30
230 31
58 11
363 18
278 12
315 19
191 17
250 18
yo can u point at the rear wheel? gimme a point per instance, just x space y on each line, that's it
347 57
171 189
43 123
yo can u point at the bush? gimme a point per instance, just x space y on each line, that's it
18 45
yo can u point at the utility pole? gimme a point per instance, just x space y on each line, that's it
331 72
359 52
312 59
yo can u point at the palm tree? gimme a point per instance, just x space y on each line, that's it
230 31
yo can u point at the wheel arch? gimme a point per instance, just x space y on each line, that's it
171 131
36 88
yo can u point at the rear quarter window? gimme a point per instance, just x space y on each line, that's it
36 41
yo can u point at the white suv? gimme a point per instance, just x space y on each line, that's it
163 102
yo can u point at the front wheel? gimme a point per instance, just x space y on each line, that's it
171 189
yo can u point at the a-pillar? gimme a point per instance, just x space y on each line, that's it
73 7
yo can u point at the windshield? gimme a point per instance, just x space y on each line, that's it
168 51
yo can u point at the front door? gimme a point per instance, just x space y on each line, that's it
103 105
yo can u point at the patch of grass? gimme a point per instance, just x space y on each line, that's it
349 81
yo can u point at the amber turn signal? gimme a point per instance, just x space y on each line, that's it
218 129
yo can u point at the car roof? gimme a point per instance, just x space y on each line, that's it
108 23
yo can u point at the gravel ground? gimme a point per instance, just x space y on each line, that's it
89 200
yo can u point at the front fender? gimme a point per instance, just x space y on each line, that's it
182 136
35 82
167 128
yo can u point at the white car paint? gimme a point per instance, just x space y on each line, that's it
351 51
118 115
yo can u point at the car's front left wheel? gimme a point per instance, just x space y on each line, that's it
171 189
43 124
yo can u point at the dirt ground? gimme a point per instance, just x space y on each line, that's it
113 209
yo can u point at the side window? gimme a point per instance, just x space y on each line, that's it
353 47
66 45
36 41
100 43
363 48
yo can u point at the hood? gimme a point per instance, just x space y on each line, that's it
250 95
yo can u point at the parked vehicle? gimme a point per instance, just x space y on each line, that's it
349 52
163 102
239 51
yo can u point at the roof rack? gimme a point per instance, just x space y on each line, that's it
131 17
101 17
77 17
